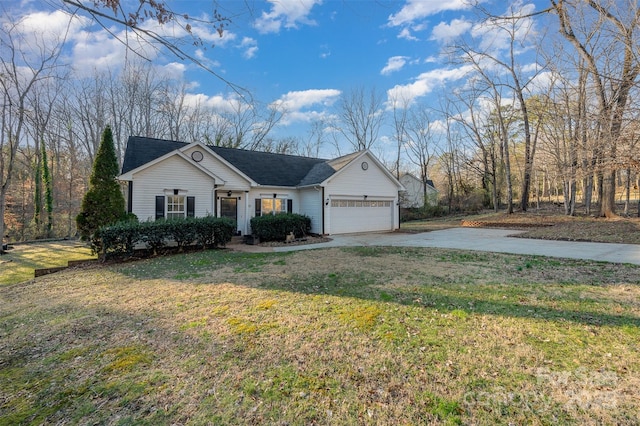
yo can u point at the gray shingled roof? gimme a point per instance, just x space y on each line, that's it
263 167
141 150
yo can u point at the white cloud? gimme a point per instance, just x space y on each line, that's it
52 25
495 36
425 83
295 101
405 33
174 70
325 51
219 103
39 32
250 47
287 13
541 82
297 104
444 32
415 10
100 50
394 63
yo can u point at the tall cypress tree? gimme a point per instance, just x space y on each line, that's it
48 190
103 204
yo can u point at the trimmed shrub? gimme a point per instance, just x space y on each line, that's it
120 239
214 231
182 231
277 227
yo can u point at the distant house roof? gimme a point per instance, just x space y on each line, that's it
264 168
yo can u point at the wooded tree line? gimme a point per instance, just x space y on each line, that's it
567 126
507 136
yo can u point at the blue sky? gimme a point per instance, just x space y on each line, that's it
303 53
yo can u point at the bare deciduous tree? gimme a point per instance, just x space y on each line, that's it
605 34
360 114
420 145
24 63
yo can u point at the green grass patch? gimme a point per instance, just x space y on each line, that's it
19 263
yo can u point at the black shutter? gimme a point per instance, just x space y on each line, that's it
258 202
289 206
130 197
159 207
191 206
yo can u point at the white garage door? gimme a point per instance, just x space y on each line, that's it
360 216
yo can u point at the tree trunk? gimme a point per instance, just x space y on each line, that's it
608 200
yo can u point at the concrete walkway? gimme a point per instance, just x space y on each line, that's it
485 239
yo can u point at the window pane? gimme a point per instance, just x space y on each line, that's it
175 206
267 206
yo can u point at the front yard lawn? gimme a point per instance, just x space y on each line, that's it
329 336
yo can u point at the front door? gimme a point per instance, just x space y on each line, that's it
229 208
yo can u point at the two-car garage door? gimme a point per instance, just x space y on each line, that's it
350 215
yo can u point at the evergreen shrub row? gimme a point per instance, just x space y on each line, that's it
123 237
277 227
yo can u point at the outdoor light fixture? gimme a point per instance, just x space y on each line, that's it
229 194
326 202
365 197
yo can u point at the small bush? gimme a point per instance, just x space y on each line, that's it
277 227
120 239
419 213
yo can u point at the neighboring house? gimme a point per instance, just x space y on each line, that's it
168 179
413 196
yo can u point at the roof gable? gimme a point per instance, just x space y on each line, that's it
341 163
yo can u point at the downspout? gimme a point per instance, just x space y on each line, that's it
246 213
398 204
323 209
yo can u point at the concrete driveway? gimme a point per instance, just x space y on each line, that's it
484 239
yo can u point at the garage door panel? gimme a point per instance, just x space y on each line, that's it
361 216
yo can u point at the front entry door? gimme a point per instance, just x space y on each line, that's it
229 208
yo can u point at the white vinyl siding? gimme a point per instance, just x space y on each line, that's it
311 205
162 178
